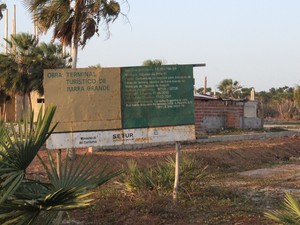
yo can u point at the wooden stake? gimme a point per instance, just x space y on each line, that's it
58 162
177 171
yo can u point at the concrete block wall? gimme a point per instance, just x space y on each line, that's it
209 110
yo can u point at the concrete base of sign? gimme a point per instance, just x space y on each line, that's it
219 138
130 147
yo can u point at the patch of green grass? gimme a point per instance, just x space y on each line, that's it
277 129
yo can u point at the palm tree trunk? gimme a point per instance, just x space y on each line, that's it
74 53
72 151
29 100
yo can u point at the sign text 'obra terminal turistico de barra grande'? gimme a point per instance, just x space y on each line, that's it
116 106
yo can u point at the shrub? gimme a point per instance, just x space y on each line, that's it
159 177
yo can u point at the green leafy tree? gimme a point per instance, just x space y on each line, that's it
283 99
230 88
201 90
246 92
24 200
264 96
155 62
279 102
297 96
95 66
269 110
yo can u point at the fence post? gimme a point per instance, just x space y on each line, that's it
177 171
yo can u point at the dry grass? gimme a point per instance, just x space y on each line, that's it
222 197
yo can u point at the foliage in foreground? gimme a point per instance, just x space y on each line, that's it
290 212
24 200
160 177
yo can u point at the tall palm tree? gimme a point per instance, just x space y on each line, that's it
74 21
230 88
22 58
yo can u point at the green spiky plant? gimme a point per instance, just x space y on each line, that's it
161 176
289 214
34 201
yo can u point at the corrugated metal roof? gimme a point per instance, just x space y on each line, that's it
210 97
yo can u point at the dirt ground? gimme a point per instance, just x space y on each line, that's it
244 179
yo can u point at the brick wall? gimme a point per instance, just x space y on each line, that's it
219 110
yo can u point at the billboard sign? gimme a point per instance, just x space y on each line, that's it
157 96
116 106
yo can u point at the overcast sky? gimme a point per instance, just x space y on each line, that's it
256 42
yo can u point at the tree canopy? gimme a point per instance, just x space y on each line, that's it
155 62
230 88
74 22
21 69
2 8
279 103
297 96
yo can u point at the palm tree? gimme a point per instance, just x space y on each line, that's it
49 56
21 69
230 88
16 66
74 21
24 200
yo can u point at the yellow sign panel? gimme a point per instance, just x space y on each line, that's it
86 99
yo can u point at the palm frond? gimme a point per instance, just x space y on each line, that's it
83 173
69 185
19 146
290 212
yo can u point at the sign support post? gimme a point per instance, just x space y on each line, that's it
177 171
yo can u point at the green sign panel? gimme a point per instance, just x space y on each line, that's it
157 96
